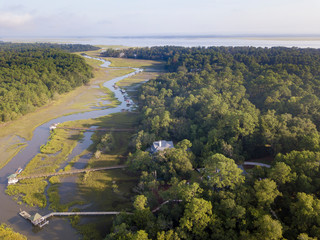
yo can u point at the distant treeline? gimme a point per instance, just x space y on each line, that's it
66 47
220 106
31 74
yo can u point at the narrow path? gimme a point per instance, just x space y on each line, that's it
100 129
257 164
81 213
71 172
164 203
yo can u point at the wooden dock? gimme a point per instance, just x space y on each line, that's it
61 214
25 215
40 221
71 172
36 220
100 129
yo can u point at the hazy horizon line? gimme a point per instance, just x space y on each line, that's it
175 36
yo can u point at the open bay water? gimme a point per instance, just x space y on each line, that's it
185 41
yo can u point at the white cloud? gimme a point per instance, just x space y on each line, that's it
13 20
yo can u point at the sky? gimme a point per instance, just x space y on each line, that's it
36 18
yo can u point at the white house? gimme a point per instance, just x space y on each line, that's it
161 145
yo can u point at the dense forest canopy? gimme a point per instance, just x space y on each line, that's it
65 47
31 74
224 99
221 106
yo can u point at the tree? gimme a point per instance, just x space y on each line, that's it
140 202
140 235
142 216
305 164
230 213
169 235
184 190
306 212
139 161
268 228
301 162
281 173
196 217
304 236
266 191
7 233
222 172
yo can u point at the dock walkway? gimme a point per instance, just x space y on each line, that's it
54 214
40 221
71 172
99 129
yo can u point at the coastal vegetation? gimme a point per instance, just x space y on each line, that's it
222 106
106 190
31 75
53 154
7 233
88 97
103 190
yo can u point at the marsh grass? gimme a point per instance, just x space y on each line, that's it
29 191
54 153
135 63
14 150
81 99
99 188
138 78
54 199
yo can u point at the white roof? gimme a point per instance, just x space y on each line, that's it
161 145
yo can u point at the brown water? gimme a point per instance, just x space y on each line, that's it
58 228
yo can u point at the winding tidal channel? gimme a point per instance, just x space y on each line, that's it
58 228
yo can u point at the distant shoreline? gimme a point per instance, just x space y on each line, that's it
300 41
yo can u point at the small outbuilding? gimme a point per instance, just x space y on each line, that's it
161 145
38 220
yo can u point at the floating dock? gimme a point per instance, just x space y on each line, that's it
12 179
37 220
25 215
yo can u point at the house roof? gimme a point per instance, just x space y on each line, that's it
161 145
35 217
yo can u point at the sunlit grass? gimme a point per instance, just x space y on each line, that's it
81 99
54 153
135 63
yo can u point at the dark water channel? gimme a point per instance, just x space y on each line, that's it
58 228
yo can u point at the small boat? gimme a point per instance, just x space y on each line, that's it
19 170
